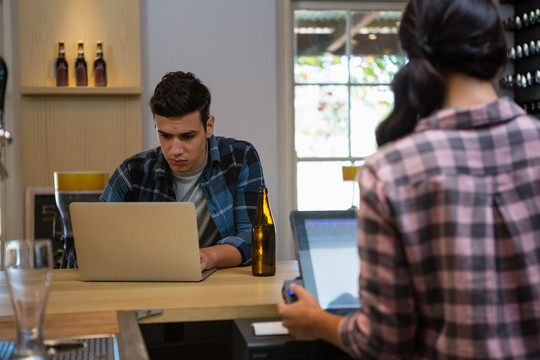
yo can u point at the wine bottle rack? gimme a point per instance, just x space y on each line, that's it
524 54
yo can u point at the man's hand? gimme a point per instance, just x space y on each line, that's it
305 319
219 256
206 260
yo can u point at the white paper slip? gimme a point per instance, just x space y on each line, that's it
269 328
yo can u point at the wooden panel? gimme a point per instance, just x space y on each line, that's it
78 128
42 24
77 133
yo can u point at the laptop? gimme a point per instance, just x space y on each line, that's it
327 252
136 241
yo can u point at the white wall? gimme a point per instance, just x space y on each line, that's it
231 46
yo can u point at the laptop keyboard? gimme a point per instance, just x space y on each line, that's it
101 348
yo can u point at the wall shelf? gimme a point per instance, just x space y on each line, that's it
78 128
86 90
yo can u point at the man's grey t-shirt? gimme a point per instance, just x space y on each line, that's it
187 188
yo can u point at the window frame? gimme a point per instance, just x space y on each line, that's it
285 83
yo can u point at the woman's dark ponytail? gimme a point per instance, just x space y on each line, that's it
441 37
418 90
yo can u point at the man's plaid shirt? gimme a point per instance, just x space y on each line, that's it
230 183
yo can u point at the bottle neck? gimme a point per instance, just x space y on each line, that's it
262 213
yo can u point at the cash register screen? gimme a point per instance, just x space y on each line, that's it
327 251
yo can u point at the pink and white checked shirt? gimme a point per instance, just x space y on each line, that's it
449 240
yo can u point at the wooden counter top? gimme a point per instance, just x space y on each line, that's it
75 305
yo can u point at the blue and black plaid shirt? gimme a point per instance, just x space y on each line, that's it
230 183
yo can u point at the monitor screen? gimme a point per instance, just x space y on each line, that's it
327 252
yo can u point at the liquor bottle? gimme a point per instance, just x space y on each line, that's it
100 67
263 238
61 67
81 70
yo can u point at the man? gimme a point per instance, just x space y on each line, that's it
449 215
221 176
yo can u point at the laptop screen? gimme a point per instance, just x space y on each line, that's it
326 246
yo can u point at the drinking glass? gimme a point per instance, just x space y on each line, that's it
28 265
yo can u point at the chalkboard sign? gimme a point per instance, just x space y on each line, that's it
42 220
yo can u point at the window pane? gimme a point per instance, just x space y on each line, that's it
374 70
374 46
320 38
321 186
321 121
369 106
344 64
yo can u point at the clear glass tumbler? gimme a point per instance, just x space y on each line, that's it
28 265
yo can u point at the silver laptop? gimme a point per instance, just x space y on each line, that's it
136 241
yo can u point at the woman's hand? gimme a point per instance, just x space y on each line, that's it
306 320
300 317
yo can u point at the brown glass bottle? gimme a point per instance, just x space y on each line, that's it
263 238
81 70
100 67
61 67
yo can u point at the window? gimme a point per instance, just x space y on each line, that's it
344 62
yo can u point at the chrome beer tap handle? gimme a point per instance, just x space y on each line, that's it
5 135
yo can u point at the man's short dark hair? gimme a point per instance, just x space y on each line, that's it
179 94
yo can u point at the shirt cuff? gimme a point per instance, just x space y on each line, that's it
243 246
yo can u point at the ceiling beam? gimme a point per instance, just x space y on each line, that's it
364 22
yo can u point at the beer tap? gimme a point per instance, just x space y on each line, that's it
5 135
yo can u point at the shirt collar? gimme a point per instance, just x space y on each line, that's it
214 150
502 110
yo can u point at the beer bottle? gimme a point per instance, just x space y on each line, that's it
100 68
81 70
61 66
263 238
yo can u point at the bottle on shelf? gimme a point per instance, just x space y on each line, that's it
100 67
81 70
61 67
263 238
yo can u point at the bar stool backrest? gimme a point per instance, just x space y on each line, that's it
75 186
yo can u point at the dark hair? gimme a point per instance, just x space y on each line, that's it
441 37
178 94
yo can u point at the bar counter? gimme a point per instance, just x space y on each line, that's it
77 308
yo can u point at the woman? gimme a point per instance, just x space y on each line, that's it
449 215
